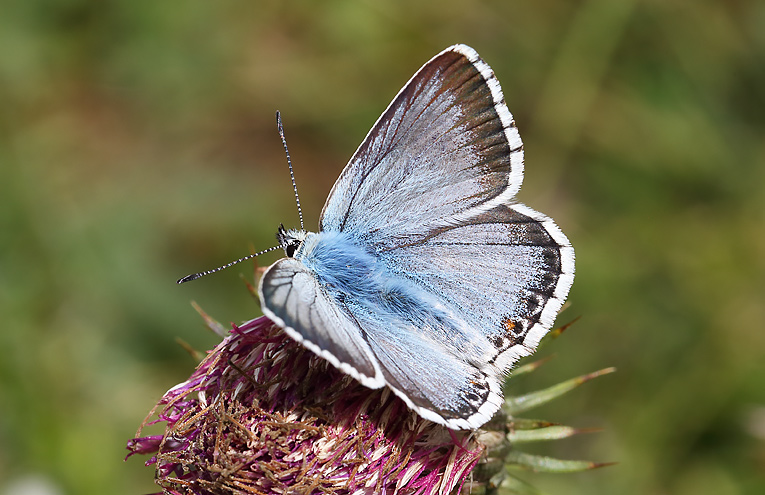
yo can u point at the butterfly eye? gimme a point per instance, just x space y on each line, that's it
291 248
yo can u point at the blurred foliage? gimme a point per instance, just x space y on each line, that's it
138 143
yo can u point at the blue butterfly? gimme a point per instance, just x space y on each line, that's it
426 276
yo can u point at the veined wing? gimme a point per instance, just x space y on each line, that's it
445 147
506 271
430 374
292 298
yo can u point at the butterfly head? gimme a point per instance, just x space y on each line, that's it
290 240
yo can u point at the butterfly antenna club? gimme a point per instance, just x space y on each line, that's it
289 163
197 275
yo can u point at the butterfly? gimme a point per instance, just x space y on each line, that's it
426 276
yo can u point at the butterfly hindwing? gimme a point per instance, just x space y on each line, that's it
506 271
429 374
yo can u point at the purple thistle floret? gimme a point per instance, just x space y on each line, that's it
263 415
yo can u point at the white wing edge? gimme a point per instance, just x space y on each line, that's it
546 320
508 122
472 422
515 179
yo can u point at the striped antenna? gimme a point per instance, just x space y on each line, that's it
289 162
195 276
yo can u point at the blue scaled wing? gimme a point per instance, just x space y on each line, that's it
445 146
505 271
295 301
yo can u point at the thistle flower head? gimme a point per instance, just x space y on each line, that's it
263 415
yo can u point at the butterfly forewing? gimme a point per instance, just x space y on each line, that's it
445 145
294 299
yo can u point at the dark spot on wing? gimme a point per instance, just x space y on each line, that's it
513 332
509 325
475 395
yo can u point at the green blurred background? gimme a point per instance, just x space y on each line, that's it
138 143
